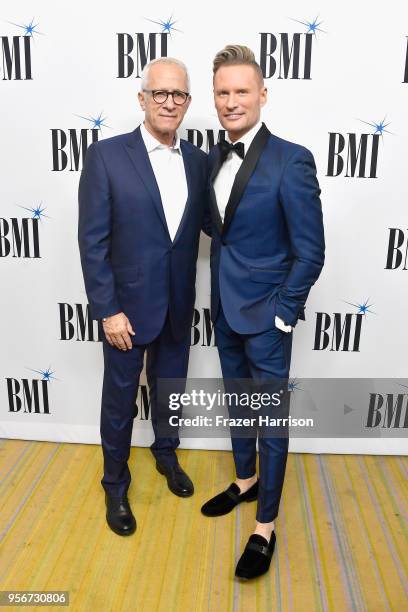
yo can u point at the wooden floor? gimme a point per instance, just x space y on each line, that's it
341 539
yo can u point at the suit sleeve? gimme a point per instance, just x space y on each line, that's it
94 235
299 196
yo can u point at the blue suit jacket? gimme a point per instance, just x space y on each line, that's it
128 259
269 251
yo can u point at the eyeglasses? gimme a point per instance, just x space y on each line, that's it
160 96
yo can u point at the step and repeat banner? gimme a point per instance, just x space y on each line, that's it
337 79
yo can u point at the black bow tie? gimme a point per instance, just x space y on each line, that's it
227 147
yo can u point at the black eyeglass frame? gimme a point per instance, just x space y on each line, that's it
168 93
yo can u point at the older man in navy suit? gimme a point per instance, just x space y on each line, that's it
267 251
141 203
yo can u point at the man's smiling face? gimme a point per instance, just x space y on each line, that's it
163 119
239 95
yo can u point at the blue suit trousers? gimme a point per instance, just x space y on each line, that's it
166 358
265 357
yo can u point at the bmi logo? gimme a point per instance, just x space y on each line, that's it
202 329
205 139
135 51
397 251
406 65
30 395
338 331
355 154
77 324
388 410
21 237
289 56
142 404
16 53
69 146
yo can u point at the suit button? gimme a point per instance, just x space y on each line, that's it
223 242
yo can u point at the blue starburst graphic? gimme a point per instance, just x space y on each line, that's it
293 385
46 374
29 28
38 212
167 26
97 122
312 26
363 308
379 128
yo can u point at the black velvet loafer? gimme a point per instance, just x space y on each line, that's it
119 515
256 558
227 500
177 480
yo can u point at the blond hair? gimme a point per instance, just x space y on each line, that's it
237 55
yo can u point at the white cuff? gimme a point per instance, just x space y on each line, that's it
281 325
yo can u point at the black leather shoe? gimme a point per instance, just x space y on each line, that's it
119 515
177 480
227 500
256 558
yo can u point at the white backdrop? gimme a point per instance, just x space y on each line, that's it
358 60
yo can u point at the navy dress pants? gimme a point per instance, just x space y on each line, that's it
264 357
165 358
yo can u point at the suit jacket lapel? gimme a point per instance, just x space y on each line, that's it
215 213
244 174
138 154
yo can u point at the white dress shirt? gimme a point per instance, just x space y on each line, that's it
223 185
168 167
226 176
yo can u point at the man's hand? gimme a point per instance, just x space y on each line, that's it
117 329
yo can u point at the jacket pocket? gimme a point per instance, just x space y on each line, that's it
126 274
266 275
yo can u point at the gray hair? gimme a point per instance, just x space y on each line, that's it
163 60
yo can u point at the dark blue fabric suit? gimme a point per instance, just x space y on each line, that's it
130 264
265 257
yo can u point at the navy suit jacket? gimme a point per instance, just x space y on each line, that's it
269 251
128 259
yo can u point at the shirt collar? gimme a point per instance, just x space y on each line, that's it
152 143
249 136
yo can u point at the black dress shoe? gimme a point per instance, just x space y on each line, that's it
119 515
177 480
227 500
256 558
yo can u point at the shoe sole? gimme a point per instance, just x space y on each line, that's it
121 533
248 578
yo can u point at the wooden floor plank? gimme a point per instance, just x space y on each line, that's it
341 533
